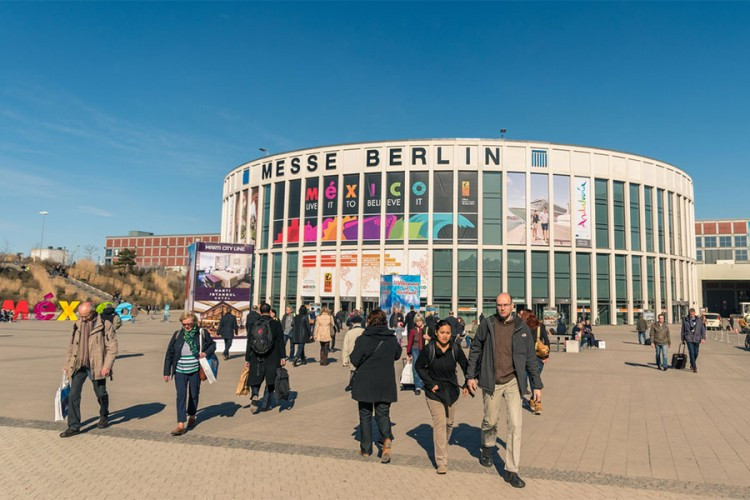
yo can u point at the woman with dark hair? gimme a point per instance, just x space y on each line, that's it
374 382
301 334
539 331
436 366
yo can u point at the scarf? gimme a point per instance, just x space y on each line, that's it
191 338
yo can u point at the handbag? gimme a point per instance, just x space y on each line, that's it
542 349
208 367
61 399
242 389
282 384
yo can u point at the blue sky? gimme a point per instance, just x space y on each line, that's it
120 116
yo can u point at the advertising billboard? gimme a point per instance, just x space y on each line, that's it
399 290
582 204
350 209
329 226
312 200
516 215
394 207
539 209
468 207
419 205
371 218
309 274
561 213
442 217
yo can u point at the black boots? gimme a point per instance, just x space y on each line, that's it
514 480
485 458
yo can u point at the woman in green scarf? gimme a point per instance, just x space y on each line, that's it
181 362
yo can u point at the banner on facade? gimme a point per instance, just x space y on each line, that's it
309 274
328 274
582 193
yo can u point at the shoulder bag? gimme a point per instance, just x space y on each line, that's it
542 349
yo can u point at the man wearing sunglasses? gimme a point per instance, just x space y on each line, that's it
501 353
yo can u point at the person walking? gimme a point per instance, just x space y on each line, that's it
287 326
374 384
409 319
453 322
501 354
186 346
340 323
661 342
414 345
263 357
166 312
91 353
301 334
323 332
539 332
436 365
252 317
227 330
396 317
641 326
694 334
352 334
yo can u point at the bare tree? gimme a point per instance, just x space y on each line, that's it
89 251
5 249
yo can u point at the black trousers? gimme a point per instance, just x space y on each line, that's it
227 345
382 419
74 405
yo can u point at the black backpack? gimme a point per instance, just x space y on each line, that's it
261 340
431 350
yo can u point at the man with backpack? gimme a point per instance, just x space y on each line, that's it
252 317
264 355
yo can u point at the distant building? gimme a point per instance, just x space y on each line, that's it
58 255
723 273
166 250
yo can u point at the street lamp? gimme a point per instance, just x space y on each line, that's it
44 214
502 133
264 150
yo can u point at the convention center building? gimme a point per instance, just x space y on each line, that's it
588 231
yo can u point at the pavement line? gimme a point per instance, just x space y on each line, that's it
462 465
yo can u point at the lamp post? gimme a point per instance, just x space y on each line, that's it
264 150
44 214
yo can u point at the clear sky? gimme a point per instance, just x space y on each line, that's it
120 116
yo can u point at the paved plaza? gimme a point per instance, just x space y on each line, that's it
613 427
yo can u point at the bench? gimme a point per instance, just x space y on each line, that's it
567 336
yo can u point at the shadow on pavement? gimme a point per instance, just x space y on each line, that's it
643 365
134 355
225 409
126 414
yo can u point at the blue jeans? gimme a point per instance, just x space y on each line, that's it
661 352
528 375
183 381
418 384
300 352
693 348
641 337
468 342
288 338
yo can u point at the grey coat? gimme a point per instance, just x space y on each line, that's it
695 336
482 355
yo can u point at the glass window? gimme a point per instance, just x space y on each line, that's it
263 277
650 280
278 215
266 214
602 277
663 280
291 277
492 208
583 275
618 209
709 242
467 274
725 241
492 278
539 275
637 278
621 279
517 275
740 241
660 218
673 280
698 241
562 275
442 274
670 223
699 255
276 281
600 201
740 255
635 218
648 209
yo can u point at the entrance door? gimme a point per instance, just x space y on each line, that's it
563 311
369 304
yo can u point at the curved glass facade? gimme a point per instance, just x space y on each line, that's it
583 229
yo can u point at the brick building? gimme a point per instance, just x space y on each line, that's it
165 250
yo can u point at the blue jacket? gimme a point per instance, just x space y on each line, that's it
695 336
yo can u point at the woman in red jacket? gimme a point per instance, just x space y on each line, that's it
414 345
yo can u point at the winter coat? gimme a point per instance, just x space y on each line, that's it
174 349
301 332
287 324
699 333
252 317
660 334
375 380
351 336
641 325
264 367
324 328
228 326
416 339
482 355
102 347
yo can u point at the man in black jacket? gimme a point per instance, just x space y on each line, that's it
409 320
252 317
501 353
227 330
263 365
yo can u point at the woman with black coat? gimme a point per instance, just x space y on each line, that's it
436 366
301 334
374 383
186 347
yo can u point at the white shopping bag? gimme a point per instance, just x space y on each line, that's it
61 399
210 378
572 346
407 375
